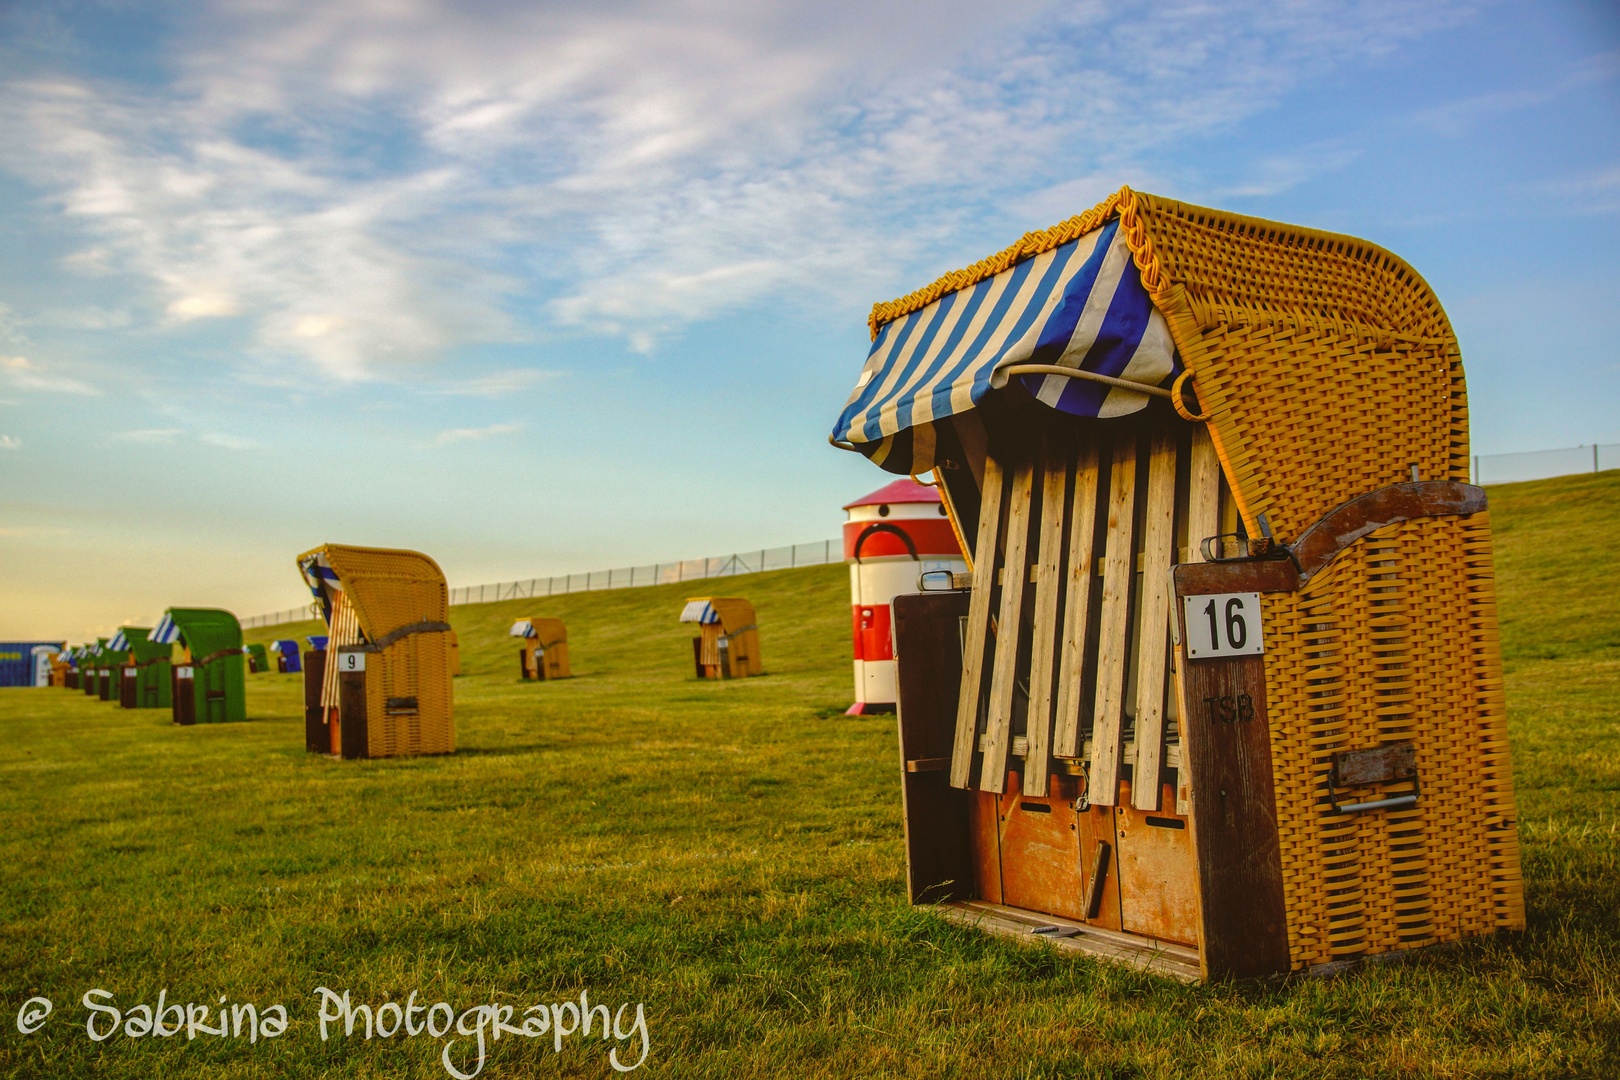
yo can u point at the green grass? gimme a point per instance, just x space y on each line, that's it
729 854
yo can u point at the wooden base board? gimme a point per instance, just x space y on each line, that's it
1146 954
1339 967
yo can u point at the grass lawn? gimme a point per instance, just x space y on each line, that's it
729 855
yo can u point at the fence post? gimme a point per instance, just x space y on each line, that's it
1594 457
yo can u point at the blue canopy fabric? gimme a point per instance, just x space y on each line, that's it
701 612
322 580
1081 305
166 632
119 643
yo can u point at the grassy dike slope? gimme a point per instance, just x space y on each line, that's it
729 854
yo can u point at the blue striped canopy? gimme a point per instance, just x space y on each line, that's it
166 632
119 643
1080 305
701 612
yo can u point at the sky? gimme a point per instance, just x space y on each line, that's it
550 287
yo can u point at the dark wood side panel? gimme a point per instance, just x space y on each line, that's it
928 651
352 714
1227 745
1260 575
316 738
185 698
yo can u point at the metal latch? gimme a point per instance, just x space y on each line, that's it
1376 765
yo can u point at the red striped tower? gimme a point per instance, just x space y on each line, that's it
892 537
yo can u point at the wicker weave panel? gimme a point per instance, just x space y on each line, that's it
1395 641
1326 364
390 589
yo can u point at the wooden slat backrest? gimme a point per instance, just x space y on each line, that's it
1056 468
1108 732
1095 518
1067 735
1153 621
1004 671
984 580
1203 492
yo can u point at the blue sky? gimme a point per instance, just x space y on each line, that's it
550 287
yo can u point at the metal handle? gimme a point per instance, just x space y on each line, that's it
1397 802
1400 802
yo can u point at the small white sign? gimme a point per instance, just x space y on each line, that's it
183 672
131 672
351 661
1223 624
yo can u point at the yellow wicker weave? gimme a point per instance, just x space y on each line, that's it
1327 369
547 631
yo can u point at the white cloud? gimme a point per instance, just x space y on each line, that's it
1278 173
1460 117
374 184
202 306
28 375
1595 191
10 330
496 383
228 442
148 435
455 435
81 318
10 442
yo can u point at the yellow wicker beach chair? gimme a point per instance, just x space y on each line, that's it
1242 712
727 645
386 684
544 652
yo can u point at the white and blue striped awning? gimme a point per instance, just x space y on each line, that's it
318 572
119 643
701 612
522 628
166 632
1080 305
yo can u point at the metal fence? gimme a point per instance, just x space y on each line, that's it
630 577
1544 464
623 577
276 618
1488 469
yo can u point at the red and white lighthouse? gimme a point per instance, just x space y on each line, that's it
892 537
